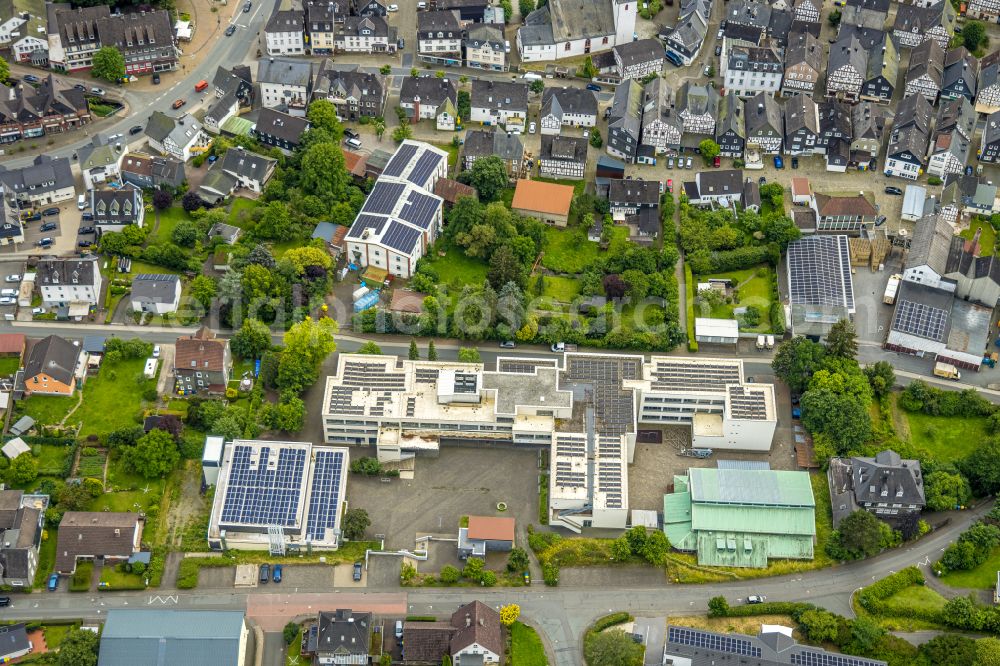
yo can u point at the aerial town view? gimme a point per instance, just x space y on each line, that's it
483 332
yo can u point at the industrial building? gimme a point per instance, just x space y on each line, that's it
820 289
585 408
741 514
278 496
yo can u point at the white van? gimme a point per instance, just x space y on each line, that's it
532 76
81 201
399 629
353 143
7 293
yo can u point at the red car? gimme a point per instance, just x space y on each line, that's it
670 184
178 103
717 162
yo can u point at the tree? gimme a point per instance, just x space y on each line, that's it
612 647
108 64
595 138
988 652
162 199
488 175
22 470
370 348
655 548
588 70
464 104
858 536
834 18
402 133
78 648
488 579
414 354
844 418
302 258
154 455
945 490
4 70
504 267
973 35
796 360
509 614
432 352
842 340
526 7
621 550
186 233
322 171
449 574
288 415
354 523
290 633
474 567
407 572
949 650
718 607
881 377
252 340
865 635
385 70
322 114
307 343
517 560
203 290
260 255
981 469
709 150
819 625
379 126
469 355
191 202
536 86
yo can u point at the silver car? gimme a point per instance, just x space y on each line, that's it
689 163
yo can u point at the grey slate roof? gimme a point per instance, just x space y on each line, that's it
890 473
960 64
478 34
285 71
247 164
55 271
343 633
570 20
635 191
505 95
931 244
640 51
569 148
13 639
286 20
281 125
53 355
44 174
731 116
697 100
801 111
431 90
483 143
911 127
763 113
164 637
848 51
927 58
804 48
121 206
154 288
626 108
447 21
558 101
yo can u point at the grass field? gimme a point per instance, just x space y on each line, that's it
9 365
121 580
455 268
568 250
51 458
915 596
48 409
169 219
113 398
982 577
138 494
558 288
55 634
987 240
526 647
754 285
240 210
80 581
948 438
46 558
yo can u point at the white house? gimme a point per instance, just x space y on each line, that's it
574 107
113 210
182 137
284 33
366 34
26 46
100 161
439 34
567 29
499 103
46 180
285 83
429 98
750 70
68 281
155 293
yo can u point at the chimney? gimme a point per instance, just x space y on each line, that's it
468 618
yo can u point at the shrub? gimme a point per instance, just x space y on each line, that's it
612 620
718 607
450 574
871 597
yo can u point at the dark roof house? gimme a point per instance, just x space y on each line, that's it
96 534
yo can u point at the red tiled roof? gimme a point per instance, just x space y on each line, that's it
491 528
11 343
535 195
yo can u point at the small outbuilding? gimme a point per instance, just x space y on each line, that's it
718 331
548 202
485 534
15 447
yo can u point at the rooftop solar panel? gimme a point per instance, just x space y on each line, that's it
264 486
822 658
920 319
714 642
401 237
400 160
425 167
383 198
366 222
324 498
420 209
819 272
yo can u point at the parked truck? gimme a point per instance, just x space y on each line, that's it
769 341
761 342
947 371
892 289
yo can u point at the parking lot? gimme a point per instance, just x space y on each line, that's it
61 228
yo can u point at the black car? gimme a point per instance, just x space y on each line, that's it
86 230
135 129
156 79
357 571
893 190
48 212
762 180
265 573
351 134
4 601
33 217
718 50
30 78
48 226
795 163
247 7
230 30
84 243
80 87
87 216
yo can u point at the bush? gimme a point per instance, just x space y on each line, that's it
450 574
602 623
871 597
718 607
290 632
777 317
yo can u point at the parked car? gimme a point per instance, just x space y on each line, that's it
247 6
399 629
37 311
80 87
87 217
795 163
156 351
114 137
31 217
756 599
135 129
201 85
84 243
178 103
594 87
156 79
351 134
670 162
49 212
778 162
400 43
98 91
707 71
720 34
392 8
421 6
670 184
230 30
531 127
507 344
4 602
718 51
48 226
689 164
8 300
31 78
277 573
265 573
45 242
893 190
53 583
717 162
357 571
13 277
761 180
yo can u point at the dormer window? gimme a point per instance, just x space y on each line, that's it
440 35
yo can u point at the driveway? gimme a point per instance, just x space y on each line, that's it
653 630
165 382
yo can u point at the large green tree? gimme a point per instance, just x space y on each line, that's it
154 455
949 650
612 647
504 268
709 149
22 470
981 469
78 648
859 535
109 64
307 343
355 522
945 490
842 340
841 417
988 652
973 35
796 360
322 172
488 175
881 377
322 114
252 340
203 290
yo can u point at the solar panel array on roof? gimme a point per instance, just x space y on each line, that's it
747 403
609 482
425 167
609 447
383 198
420 209
710 641
400 160
401 237
819 271
742 464
614 407
341 398
567 477
427 375
366 222
705 376
263 490
571 447
324 498
466 383
522 367
816 658
372 376
920 319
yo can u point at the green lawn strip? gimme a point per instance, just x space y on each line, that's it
113 398
455 268
55 634
526 647
987 239
80 580
47 409
187 572
9 365
947 438
51 458
567 250
118 579
46 558
240 210
452 154
915 596
140 267
560 288
295 649
982 577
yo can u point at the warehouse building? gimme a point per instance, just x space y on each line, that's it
820 288
741 515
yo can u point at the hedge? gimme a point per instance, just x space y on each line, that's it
871 597
777 317
187 573
792 608
421 618
602 623
689 284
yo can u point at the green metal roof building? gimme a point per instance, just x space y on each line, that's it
741 517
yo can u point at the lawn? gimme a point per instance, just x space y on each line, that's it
118 579
754 287
55 634
982 577
914 597
987 240
526 647
568 250
452 155
169 219
48 409
136 494
947 438
240 210
80 581
51 458
455 268
558 288
113 398
46 558
9 365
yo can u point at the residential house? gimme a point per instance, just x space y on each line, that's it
888 486
807 11
238 168
11 227
868 122
834 128
366 34
952 138
471 11
21 520
285 84
53 367
279 130
333 236
548 202
237 80
882 71
926 71
147 171
145 39
914 24
731 131
964 196
989 149
763 123
371 8
202 362
722 187
500 103
698 108
870 14
485 47
749 70
27 112
284 32
748 21
801 125
228 233
483 143
472 636
47 180
638 59
686 39
909 138
485 534
988 10
563 157
574 107
155 293
354 93
976 275
662 128
847 68
100 160
805 59
111 536
567 29
961 74
341 637
628 197
221 110
842 213
113 210
430 98
988 97
63 282
439 34
193 637
181 138
321 21
625 121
